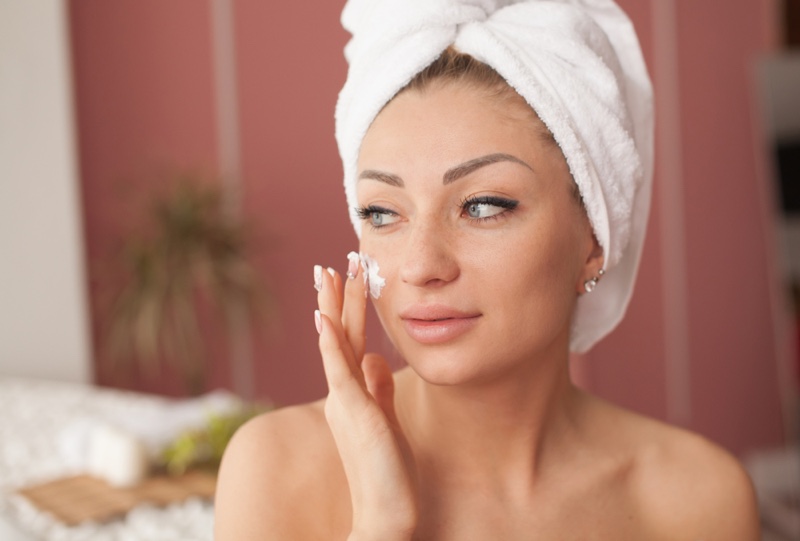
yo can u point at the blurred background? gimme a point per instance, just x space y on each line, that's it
169 176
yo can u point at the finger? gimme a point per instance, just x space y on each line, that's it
338 286
330 305
354 307
327 297
380 384
319 274
342 381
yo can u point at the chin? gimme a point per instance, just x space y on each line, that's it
448 366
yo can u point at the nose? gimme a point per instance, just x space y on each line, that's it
430 257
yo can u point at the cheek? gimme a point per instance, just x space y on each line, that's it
388 262
532 275
373 276
378 268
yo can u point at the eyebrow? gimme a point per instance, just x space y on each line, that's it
380 176
452 174
466 168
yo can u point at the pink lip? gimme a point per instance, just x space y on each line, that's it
436 324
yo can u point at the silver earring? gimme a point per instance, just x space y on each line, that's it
591 283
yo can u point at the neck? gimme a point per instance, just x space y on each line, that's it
500 431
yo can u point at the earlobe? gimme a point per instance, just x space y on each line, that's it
591 283
593 268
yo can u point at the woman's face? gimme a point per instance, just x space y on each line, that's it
469 211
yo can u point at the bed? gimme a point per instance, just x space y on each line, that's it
38 424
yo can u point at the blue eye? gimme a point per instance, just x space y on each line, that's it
481 208
377 216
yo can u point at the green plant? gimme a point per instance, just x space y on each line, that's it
188 259
204 448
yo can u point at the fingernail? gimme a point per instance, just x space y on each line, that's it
332 272
318 321
352 265
318 277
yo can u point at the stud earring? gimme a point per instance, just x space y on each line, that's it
591 283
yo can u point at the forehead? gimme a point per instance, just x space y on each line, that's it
453 122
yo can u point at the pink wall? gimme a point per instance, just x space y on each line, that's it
732 349
732 394
144 95
292 173
143 79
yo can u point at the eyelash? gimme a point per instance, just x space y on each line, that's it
507 204
365 213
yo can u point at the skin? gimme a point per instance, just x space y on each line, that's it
483 435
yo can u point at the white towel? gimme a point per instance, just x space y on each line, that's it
578 63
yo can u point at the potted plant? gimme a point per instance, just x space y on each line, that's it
189 258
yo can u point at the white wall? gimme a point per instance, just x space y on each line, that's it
43 312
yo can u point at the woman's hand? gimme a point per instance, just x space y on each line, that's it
360 412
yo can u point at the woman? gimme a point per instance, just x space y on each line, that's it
500 197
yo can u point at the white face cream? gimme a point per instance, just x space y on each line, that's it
371 276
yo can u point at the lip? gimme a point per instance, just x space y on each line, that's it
436 324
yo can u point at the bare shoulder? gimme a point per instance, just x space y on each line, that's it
686 486
277 477
702 489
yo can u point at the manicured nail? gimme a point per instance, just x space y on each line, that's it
318 321
318 277
332 272
353 261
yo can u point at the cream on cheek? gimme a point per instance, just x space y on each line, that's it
375 282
